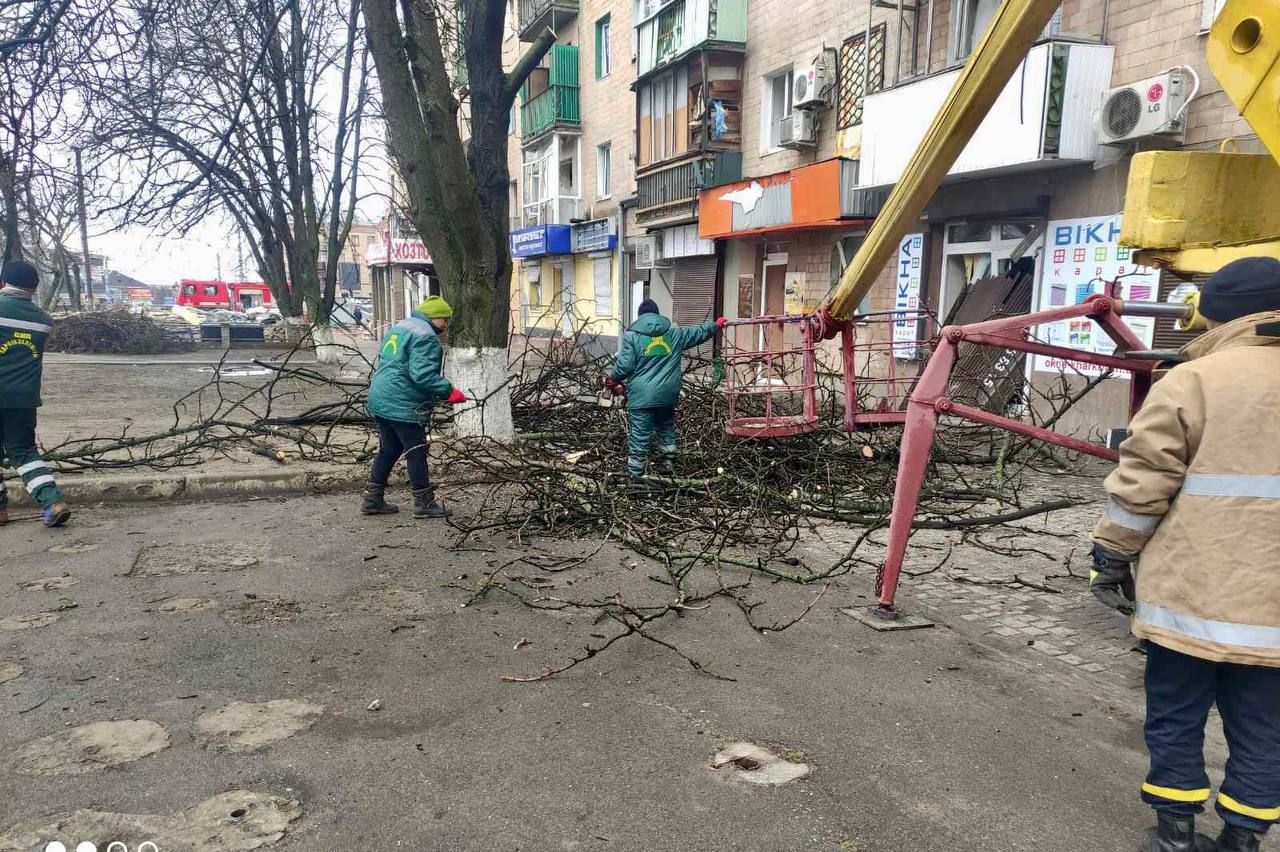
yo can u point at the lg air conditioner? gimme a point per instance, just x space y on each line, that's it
811 89
1156 106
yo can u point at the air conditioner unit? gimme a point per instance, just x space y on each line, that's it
799 130
1152 107
811 89
647 252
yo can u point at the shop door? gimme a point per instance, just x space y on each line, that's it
973 251
773 301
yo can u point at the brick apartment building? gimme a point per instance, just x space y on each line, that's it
741 182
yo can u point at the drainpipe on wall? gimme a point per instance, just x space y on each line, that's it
624 268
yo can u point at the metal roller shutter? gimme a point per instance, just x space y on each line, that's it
694 293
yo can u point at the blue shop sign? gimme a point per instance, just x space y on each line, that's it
596 235
541 240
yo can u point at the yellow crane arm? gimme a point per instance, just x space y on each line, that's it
1014 29
1244 54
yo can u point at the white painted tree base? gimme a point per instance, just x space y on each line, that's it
479 373
327 352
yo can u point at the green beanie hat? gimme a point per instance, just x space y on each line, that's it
435 308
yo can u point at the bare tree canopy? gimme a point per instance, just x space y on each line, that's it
252 109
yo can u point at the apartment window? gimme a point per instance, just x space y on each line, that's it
604 167
664 117
969 21
855 82
670 23
777 106
511 122
604 48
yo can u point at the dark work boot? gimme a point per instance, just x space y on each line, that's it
425 504
1237 839
56 514
4 515
374 502
1174 833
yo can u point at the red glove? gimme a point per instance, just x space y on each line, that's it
456 396
615 387
722 321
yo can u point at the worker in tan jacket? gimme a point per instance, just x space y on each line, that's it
1195 502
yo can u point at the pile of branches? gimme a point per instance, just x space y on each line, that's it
115 332
731 514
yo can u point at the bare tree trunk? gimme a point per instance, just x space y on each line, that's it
457 191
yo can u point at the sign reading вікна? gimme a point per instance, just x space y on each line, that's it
1083 257
906 298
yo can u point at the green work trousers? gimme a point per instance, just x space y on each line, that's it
645 424
18 450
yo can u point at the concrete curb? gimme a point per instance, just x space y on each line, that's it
132 488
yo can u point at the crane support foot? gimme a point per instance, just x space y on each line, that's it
886 619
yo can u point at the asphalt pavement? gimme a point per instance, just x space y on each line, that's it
926 740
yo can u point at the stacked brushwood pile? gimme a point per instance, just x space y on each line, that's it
115 332
731 512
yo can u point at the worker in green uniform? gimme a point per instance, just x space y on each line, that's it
649 369
23 330
407 384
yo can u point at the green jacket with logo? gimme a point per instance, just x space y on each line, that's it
650 361
23 330
407 382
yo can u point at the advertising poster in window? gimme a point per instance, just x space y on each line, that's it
906 299
1083 257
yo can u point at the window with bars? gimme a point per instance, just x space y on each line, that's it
854 81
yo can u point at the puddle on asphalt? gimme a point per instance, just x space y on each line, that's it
90 748
752 764
235 821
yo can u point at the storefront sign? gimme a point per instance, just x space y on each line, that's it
1083 257
596 235
906 299
541 240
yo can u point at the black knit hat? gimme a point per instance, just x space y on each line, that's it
19 273
648 306
1246 286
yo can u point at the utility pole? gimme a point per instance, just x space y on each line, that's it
84 231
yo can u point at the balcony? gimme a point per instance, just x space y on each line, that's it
671 190
555 108
536 16
667 31
1043 117
549 98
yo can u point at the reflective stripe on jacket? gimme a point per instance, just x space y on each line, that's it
1197 495
407 382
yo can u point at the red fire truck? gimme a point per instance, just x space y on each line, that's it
233 295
